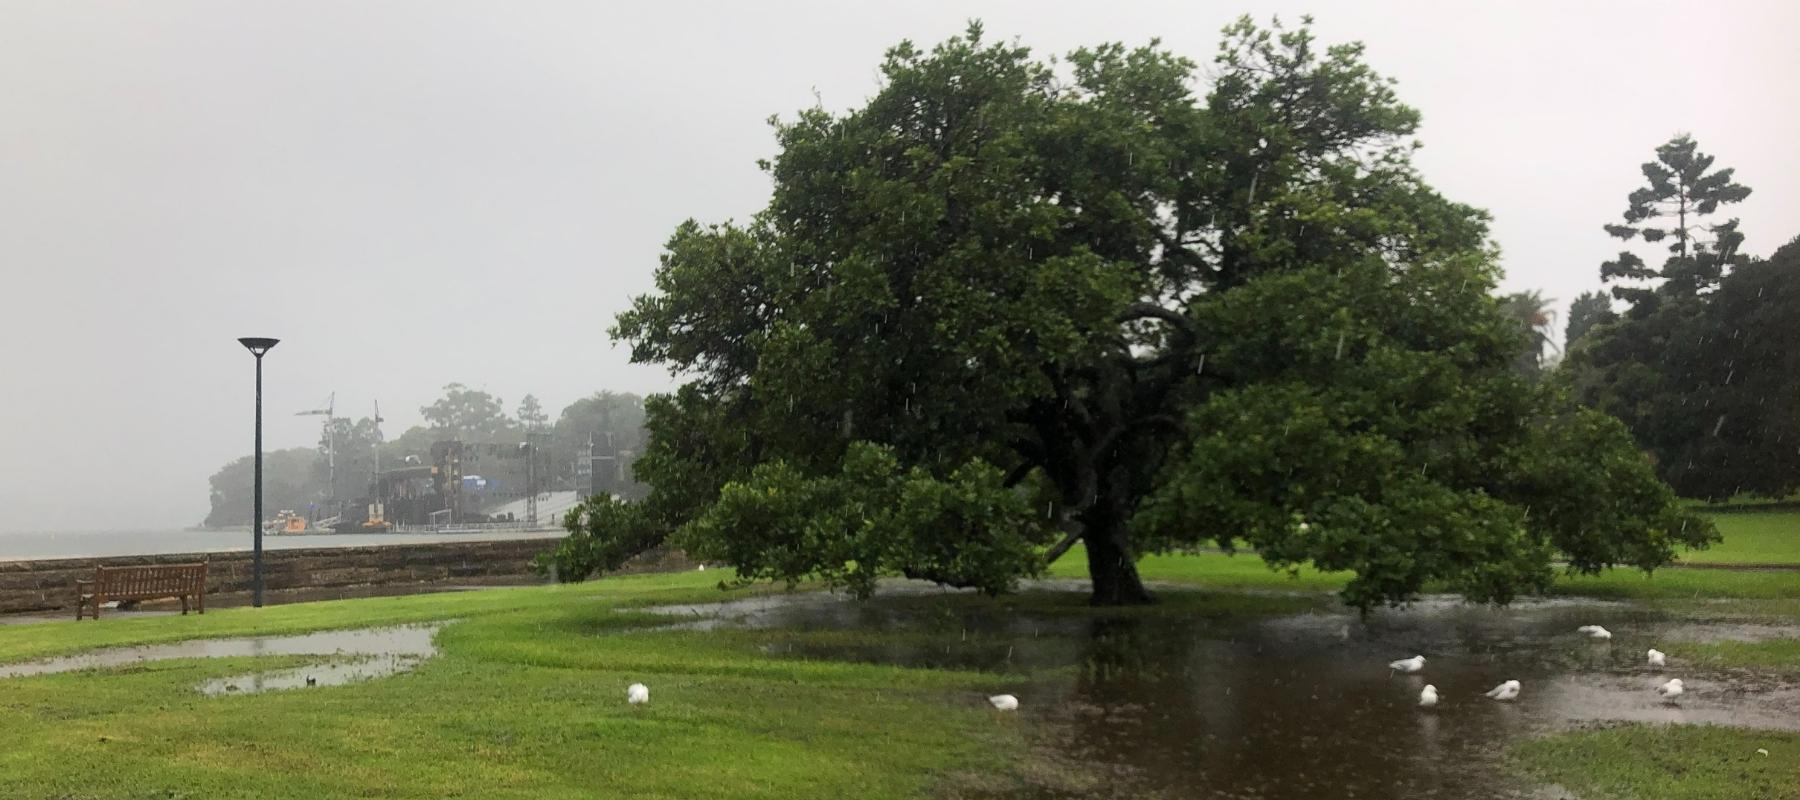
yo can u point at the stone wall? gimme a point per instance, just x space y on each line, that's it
49 584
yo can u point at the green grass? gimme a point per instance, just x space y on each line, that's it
1769 655
525 701
1667 762
1752 537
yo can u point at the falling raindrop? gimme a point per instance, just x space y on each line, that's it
1340 346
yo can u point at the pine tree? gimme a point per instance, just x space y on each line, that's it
1680 192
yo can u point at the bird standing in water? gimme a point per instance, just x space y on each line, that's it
1428 697
1505 691
1408 665
1671 690
1655 657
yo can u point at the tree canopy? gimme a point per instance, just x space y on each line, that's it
1709 383
1009 305
1680 190
470 415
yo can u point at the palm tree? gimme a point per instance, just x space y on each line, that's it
1532 311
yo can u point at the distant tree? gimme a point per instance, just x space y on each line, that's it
470 415
1680 193
415 441
1697 369
531 414
290 481
1588 310
996 311
1532 313
616 417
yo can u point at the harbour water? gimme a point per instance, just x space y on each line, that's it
28 545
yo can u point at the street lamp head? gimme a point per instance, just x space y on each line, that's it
257 345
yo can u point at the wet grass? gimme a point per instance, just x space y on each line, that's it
1667 762
1770 655
526 700
20 642
1752 537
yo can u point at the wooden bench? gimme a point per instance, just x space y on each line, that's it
142 583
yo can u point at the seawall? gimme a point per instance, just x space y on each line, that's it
49 584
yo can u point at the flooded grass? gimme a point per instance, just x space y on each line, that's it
1174 703
1255 692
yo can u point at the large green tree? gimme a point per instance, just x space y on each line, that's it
1010 305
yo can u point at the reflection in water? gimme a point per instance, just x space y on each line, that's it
371 652
1297 706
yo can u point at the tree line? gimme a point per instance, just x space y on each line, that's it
297 478
1699 355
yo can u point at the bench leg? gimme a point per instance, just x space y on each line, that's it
200 600
184 608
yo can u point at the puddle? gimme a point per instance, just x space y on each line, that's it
358 654
1290 706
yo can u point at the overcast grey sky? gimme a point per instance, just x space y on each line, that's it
414 193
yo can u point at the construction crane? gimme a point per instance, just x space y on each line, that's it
329 412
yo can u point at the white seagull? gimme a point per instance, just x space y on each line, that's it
1408 665
637 694
1004 702
1505 691
1672 689
1655 657
1428 697
1594 632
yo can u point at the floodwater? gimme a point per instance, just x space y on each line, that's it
355 655
1289 706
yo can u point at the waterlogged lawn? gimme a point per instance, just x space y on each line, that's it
526 700
1690 762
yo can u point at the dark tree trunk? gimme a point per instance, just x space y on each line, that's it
1110 563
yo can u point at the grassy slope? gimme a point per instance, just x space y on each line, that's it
1667 762
525 701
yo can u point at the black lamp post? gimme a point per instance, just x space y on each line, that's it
257 347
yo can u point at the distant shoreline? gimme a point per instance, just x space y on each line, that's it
41 546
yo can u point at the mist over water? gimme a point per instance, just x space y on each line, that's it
25 545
